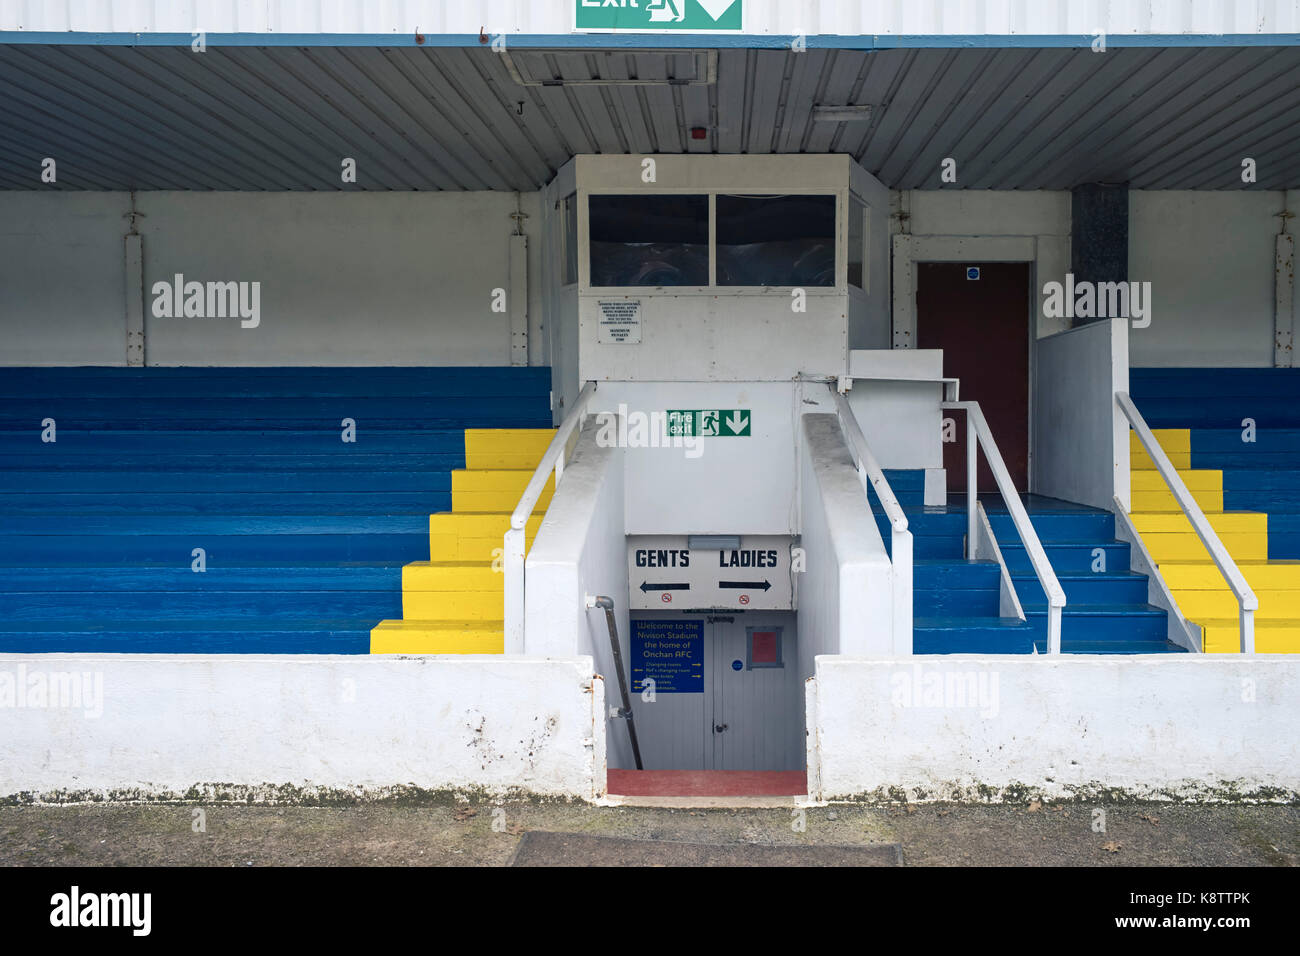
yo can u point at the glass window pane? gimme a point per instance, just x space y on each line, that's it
649 240
570 238
857 246
776 240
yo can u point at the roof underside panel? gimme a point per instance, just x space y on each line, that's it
448 118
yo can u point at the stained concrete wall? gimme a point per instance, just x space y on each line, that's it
169 722
1005 728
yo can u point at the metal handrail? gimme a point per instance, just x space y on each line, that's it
1247 602
979 436
625 711
900 543
552 460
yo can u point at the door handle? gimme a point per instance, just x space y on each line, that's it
719 728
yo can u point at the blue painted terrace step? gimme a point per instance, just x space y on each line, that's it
305 535
956 602
1260 475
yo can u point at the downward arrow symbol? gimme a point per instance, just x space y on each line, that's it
737 425
716 8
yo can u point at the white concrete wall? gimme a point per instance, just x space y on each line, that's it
741 485
896 398
845 597
62 278
169 722
1080 448
347 278
1209 257
580 550
1157 726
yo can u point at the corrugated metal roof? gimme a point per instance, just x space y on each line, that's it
556 17
276 118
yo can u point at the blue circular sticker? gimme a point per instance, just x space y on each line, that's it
737 665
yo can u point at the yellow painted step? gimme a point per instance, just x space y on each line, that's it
1196 479
473 536
437 637
1204 575
1224 522
1223 637
506 447
1164 500
1176 443
481 606
494 490
1203 605
451 576
1186 546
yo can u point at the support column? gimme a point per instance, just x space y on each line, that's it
1099 234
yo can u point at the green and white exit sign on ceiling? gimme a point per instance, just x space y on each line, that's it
647 16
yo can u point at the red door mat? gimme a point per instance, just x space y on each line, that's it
707 783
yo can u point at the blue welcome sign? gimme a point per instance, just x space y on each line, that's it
671 653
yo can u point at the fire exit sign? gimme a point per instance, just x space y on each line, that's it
709 423
647 16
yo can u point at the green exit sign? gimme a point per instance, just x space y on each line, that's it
647 16
709 422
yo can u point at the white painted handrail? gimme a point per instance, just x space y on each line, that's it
900 543
979 436
552 461
1247 603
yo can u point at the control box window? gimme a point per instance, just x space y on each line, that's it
570 214
857 243
658 240
776 240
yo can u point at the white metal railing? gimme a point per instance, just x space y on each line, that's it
900 544
1247 602
552 460
979 436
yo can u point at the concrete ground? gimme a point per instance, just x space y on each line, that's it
486 834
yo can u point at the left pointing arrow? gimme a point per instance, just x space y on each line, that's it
664 587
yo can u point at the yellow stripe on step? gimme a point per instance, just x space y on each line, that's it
1224 522
1176 442
1196 479
1209 500
437 637
506 447
1223 637
1261 576
1188 547
452 576
1203 605
462 606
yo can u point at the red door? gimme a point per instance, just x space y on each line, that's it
982 325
